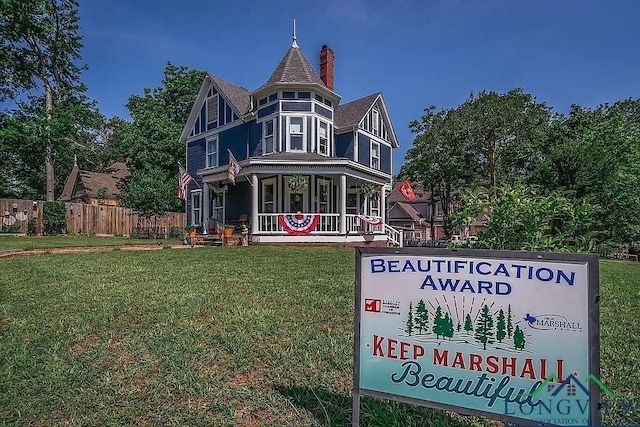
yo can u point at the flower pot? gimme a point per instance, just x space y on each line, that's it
228 232
192 233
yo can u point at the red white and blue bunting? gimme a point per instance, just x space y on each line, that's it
298 224
370 219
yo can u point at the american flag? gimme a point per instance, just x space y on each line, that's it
183 180
234 168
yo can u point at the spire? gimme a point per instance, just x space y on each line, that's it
295 43
75 160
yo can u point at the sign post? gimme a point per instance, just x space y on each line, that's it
507 335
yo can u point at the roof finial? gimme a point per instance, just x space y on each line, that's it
295 43
75 160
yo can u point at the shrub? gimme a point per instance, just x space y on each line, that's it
54 218
32 227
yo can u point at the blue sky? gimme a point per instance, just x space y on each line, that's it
417 53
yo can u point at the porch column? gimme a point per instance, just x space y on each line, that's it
383 204
254 203
312 184
205 205
343 204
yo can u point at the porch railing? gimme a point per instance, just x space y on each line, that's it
328 224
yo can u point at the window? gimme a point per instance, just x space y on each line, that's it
288 95
212 152
273 97
374 206
196 207
374 122
296 139
352 201
262 101
269 146
218 205
439 211
375 155
304 95
212 109
323 143
269 196
324 195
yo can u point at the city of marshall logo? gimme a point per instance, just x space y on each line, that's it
553 379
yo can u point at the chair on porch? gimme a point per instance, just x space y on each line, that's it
242 220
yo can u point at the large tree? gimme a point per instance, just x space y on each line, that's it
151 139
40 46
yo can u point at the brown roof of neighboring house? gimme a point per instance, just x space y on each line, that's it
411 212
81 183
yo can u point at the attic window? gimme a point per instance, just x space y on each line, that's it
374 122
212 109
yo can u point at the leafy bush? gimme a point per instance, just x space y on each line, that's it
54 218
32 227
10 229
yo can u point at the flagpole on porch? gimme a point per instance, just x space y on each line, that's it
233 164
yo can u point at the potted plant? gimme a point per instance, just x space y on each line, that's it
298 183
368 189
191 230
227 230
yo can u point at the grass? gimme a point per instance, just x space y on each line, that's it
8 243
217 336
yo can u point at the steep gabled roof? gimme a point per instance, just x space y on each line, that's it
293 68
237 95
350 114
410 210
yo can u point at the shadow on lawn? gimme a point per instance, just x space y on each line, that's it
331 409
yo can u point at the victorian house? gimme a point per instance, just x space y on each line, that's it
313 169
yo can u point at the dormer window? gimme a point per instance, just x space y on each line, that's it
296 135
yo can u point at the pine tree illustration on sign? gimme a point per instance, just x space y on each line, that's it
468 324
518 338
422 317
484 328
409 325
500 327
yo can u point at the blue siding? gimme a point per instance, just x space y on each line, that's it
255 136
344 145
364 149
267 110
234 139
220 111
195 160
385 158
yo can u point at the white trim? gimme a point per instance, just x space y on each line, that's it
327 137
302 134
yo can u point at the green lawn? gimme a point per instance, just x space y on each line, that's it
27 243
216 336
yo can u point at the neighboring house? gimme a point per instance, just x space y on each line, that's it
292 129
414 217
95 187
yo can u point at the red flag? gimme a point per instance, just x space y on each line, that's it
405 189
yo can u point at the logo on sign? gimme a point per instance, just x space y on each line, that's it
547 322
372 305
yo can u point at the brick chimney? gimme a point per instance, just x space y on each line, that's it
326 66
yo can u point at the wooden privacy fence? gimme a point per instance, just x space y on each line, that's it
94 219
